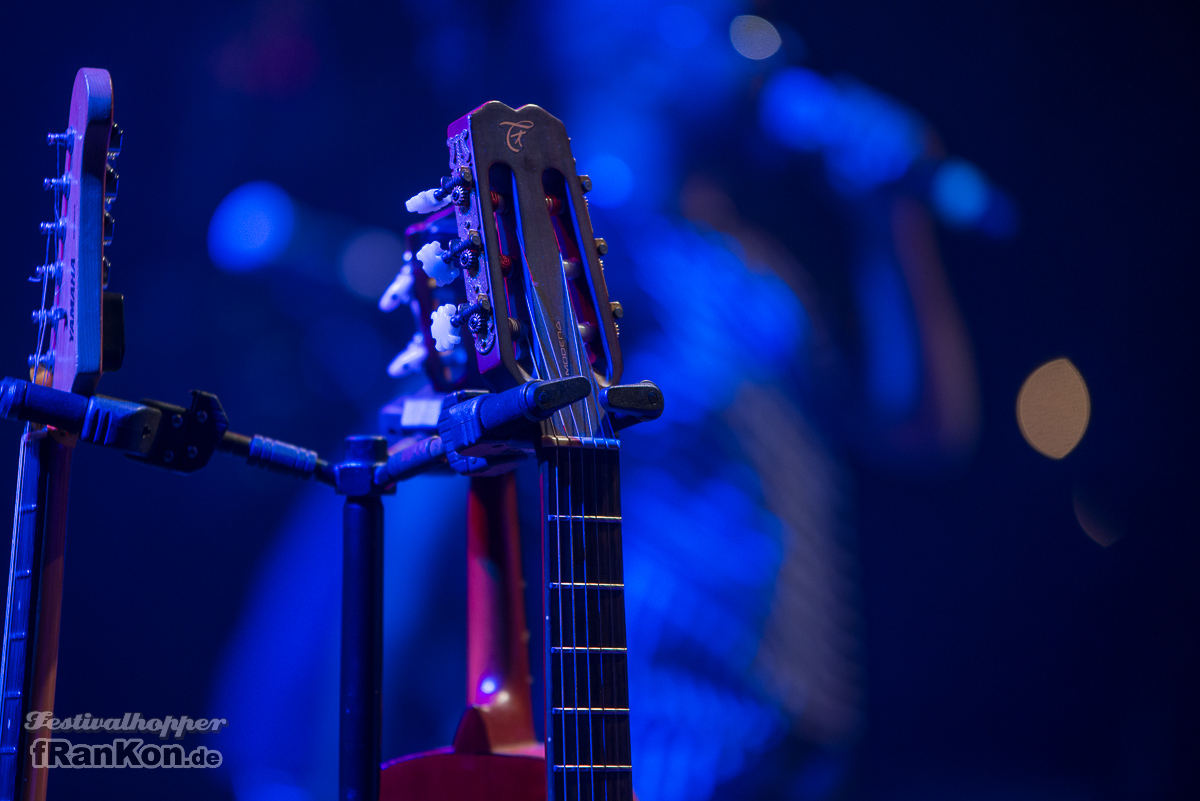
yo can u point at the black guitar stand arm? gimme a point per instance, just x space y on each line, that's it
175 438
478 433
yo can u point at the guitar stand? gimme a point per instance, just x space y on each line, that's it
478 434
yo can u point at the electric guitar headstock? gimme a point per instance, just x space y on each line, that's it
79 336
80 325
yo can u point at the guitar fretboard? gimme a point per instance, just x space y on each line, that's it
587 749
19 624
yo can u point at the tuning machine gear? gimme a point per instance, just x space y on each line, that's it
453 189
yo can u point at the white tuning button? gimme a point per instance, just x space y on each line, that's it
427 201
409 360
400 290
433 262
445 332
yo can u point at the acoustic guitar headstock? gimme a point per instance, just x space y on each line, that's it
80 326
536 304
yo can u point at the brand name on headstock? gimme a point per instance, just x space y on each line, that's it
562 346
515 139
71 309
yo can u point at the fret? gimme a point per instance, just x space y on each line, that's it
586 616
562 441
580 739
586 585
592 710
585 518
593 767
584 554
603 648
27 508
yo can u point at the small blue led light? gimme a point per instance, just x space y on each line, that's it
488 685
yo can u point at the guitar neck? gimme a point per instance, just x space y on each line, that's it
30 655
587 681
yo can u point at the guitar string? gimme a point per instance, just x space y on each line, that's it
602 428
574 488
549 369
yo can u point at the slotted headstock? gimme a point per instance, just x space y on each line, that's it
538 304
79 324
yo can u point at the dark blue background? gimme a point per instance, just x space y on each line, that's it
1005 649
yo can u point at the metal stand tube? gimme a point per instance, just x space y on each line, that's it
362 635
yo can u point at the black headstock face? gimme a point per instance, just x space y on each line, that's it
72 350
535 258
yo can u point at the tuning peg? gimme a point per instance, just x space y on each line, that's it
437 263
445 327
109 223
114 142
105 271
111 180
61 183
452 189
399 291
585 184
66 138
51 316
409 360
58 228
601 246
42 271
618 311
428 201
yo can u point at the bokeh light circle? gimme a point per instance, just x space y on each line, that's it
1053 408
754 37
370 260
612 180
251 227
960 192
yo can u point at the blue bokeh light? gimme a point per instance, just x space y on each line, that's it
251 227
867 139
612 180
960 192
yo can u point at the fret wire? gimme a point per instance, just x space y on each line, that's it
585 518
610 649
615 710
588 585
